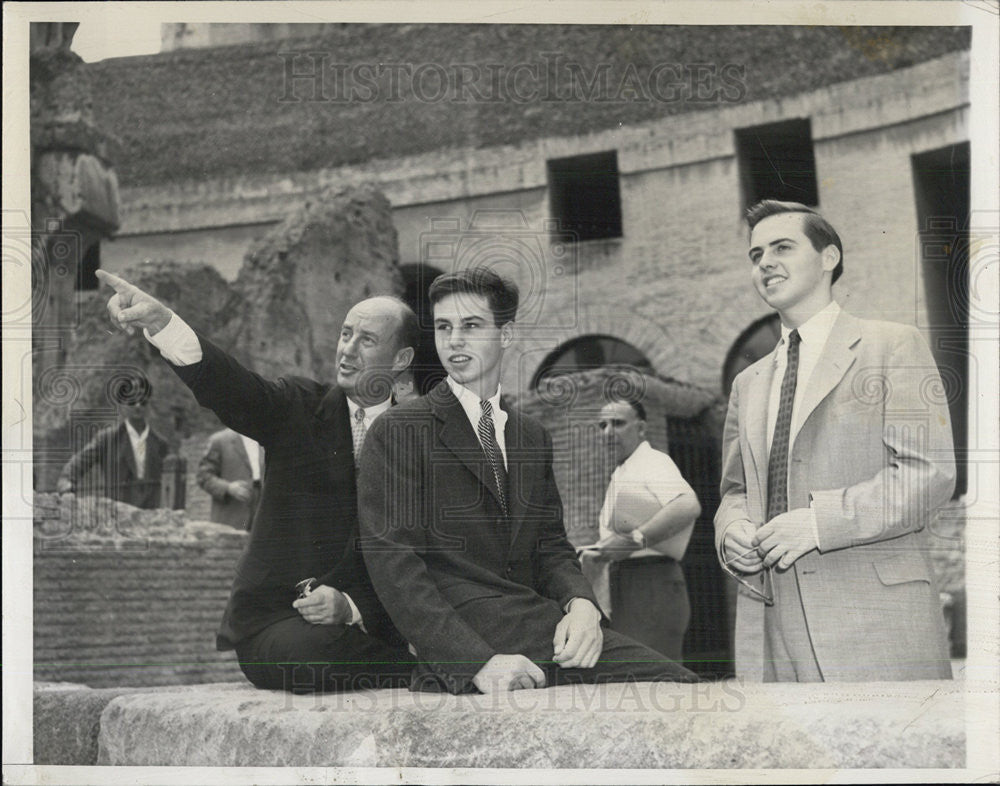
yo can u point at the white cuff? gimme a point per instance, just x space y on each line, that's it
355 614
177 342
813 523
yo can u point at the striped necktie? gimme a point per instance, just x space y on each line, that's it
358 432
777 463
487 436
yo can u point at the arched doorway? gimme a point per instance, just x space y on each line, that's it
756 341
427 368
590 352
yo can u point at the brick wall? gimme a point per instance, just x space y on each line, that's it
124 597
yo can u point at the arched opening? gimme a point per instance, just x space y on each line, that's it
427 368
86 273
589 352
756 341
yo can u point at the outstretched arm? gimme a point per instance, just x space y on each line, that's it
243 400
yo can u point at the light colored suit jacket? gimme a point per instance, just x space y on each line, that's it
226 460
874 457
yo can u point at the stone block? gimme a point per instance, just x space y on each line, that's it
66 720
634 725
300 280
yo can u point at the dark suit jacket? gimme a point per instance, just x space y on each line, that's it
306 523
224 461
111 452
461 582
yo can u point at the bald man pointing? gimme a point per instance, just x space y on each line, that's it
302 615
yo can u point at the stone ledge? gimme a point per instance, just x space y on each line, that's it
640 725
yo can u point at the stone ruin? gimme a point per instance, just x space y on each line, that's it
281 316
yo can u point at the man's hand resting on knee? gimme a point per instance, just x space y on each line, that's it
508 672
578 639
324 606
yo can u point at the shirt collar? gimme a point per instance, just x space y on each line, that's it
470 401
816 330
371 412
641 448
134 435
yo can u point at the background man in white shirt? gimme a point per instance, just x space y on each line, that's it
835 457
302 615
645 524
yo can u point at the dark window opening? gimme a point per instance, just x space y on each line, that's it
755 342
585 196
590 352
942 186
426 367
777 162
86 273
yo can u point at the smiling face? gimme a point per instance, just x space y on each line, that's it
622 429
788 273
368 353
469 343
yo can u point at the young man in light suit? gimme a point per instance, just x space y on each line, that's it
462 525
837 451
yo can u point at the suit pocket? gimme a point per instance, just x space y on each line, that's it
900 570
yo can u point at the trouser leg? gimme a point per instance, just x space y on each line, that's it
788 650
650 603
300 657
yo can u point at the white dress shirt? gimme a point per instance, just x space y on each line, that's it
138 442
647 472
473 410
814 333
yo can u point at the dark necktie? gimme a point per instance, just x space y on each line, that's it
777 463
487 436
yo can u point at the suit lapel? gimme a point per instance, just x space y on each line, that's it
126 450
835 358
457 435
758 395
332 411
522 469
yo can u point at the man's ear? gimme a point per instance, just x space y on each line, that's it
507 334
831 258
403 359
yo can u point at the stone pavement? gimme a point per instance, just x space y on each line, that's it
633 725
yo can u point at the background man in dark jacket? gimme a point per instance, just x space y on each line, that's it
123 462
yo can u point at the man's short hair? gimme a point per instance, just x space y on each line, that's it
130 389
819 231
501 295
633 401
